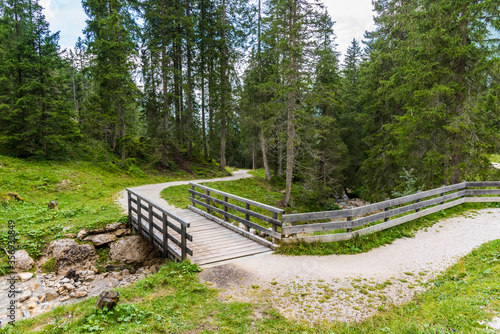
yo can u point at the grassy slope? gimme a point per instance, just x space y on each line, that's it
85 193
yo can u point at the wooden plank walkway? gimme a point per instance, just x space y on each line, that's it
213 243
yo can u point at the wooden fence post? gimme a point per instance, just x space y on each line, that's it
386 209
349 219
226 219
417 201
139 215
207 200
275 227
165 235
247 217
442 194
151 233
183 241
129 200
193 196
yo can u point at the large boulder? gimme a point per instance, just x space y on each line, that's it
132 249
70 255
22 261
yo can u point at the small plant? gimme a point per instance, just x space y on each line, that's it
49 266
408 183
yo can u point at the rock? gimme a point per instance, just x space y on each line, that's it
111 268
97 231
117 275
107 299
81 293
70 255
123 231
26 314
22 261
31 304
115 226
126 272
51 295
89 278
34 287
64 298
154 269
132 249
53 205
69 286
24 296
71 235
82 234
23 277
72 275
101 239
65 280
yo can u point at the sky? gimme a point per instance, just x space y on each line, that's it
352 17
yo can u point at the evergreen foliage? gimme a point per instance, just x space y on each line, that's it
260 84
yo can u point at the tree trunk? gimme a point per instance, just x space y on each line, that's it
164 79
263 145
189 126
292 78
224 90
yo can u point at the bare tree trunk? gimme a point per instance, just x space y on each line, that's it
190 87
292 78
164 79
263 145
224 92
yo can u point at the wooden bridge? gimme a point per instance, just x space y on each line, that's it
241 228
201 236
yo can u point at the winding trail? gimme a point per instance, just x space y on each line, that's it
293 284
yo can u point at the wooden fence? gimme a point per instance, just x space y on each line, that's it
422 203
202 196
166 231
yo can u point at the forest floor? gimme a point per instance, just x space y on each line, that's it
345 287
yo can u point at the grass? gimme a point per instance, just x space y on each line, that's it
85 193
256 188
495 158
174 301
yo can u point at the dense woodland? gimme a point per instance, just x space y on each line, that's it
260 85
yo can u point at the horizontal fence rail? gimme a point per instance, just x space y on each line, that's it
203 196
164 230
388 213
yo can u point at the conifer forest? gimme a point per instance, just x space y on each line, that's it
260 84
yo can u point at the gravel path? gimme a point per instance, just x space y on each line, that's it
346 287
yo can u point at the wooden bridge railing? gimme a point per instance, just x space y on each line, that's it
422 203
166 231
202 196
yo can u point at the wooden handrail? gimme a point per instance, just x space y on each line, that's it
166 241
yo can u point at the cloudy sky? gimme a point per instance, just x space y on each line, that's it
352 18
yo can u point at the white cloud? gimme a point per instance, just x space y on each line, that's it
353 18
67 17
